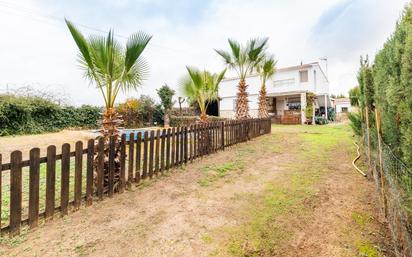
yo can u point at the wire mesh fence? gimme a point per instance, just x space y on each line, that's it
395 188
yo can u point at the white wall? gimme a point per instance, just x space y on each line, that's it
339 107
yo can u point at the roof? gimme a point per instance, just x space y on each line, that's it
289 68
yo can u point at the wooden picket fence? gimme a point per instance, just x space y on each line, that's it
55 183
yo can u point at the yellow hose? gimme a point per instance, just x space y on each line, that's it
357 158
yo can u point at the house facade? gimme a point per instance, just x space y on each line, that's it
342 105
286 93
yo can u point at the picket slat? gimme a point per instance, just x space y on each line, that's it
185 146
168 148
177 151
131 160
122 182
100 168
78 164
172 136
34 183
162 151
89 172
15 192
157 152
145 157
65 176
112 155
151 153
138 156
50 181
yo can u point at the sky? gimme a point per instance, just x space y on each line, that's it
36 48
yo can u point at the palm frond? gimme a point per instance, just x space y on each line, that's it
235 47
82 44
134 48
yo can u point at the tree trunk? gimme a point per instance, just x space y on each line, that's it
242 105
263 109
166 120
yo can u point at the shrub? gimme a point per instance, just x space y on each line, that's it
356 123
321 120
32 115
179 121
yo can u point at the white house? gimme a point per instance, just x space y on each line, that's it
342 105
286 93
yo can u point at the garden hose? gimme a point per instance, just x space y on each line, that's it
357 158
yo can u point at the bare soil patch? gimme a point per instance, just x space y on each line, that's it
26 142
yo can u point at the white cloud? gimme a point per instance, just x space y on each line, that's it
36 51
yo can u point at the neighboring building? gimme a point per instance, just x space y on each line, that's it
286 93
342 105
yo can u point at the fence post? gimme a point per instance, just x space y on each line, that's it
381 170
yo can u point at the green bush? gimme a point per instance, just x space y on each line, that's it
179 121
356 123
33 115
321 120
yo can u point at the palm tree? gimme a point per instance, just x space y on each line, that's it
111 68
266 69
201 87
243 59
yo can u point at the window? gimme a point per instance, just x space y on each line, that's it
344 109
293 103
303 76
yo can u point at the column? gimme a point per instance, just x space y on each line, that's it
302 107
326 106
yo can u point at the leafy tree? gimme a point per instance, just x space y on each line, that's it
166 97
354 95
243 59
111 68
266 69
201 87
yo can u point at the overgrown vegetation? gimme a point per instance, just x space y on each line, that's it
32 115
387 85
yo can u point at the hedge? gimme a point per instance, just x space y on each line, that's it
178 121
33 115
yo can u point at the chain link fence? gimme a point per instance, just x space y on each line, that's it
396 193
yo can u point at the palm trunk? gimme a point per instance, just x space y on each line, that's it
263 110
242 105
110 123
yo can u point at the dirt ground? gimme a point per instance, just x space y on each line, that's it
290 193
27 142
